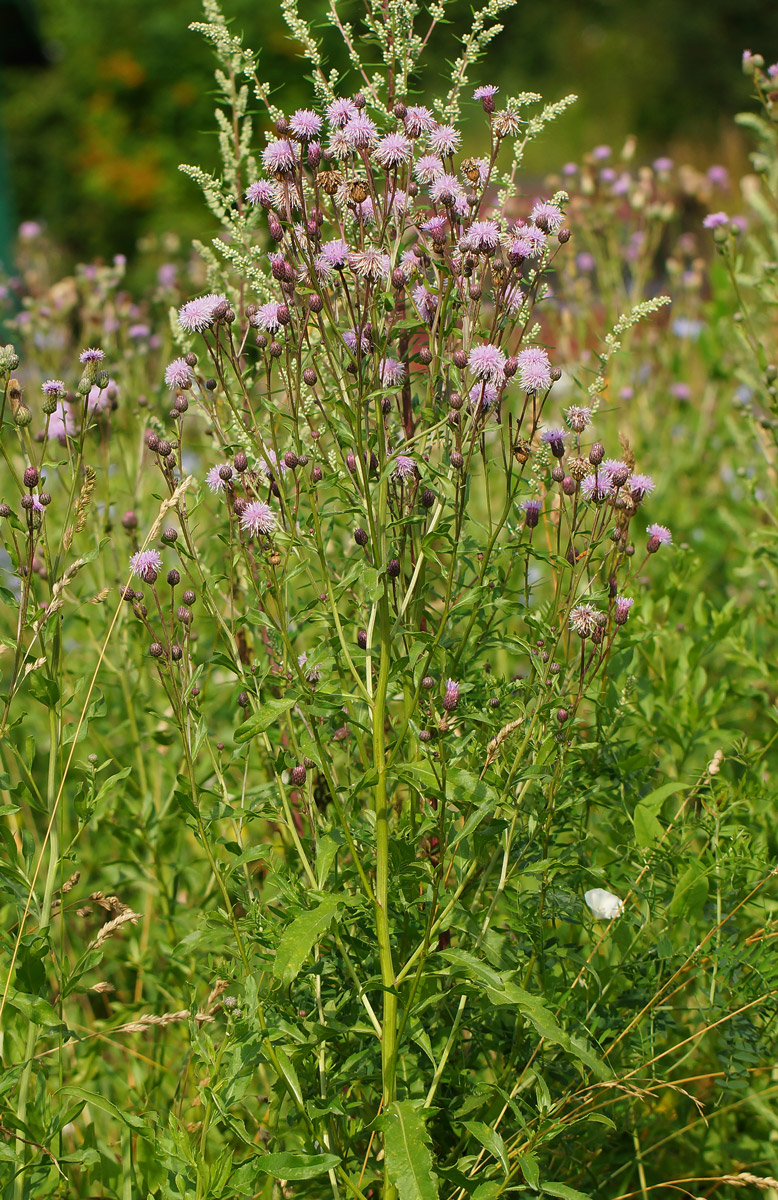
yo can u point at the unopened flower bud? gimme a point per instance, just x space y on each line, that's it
460 359
309 376
45 499
393 568
596 454
169 535
457 461
30 477
291 459
511 367
22 415
568 485
176 653
563 235
451 695
276 349
562 715
243 700
360 537
184 614
362 639
425 356
240 462
156 650
427 498
173 577
297 775
428 683
316 474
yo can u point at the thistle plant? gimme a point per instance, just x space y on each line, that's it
394 893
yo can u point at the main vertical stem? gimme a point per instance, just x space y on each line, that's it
389 1021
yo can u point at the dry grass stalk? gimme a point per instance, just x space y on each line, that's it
110 927
493 749
744 1178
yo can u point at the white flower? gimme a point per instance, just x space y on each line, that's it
604 904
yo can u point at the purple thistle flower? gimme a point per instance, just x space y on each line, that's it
681 391
404 467
392 150
483 395
178 374
663 164
350 338
597 486
549 213
401 201
623 605
419 120
487 362
426 303
451 695
197 315
532 509
138 332
392 372
365 211
360 132
555 439
36 503
262 192
718 175
585 618
305 124
715 220
266 317
578 417
428 168
534 369
335 254
600 153
258 517
640 486
92 355
485 92
214 479
772 71
446 189
53 387
436 228
444 139
98 399
340 111
658 535
481 237
370 264
146 564
279 157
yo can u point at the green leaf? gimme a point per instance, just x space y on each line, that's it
268 714
299 938
37 1010
96 1101
408 1158
647 828
296 1166
565 1192
490 1140
690 893
286 1067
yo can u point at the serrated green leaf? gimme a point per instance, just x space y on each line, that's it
490 1140
268 714
299 938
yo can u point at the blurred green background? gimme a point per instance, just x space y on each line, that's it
94 134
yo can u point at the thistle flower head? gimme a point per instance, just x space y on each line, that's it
532 509
436 228
305 124
215 479
426 303
578 417
197 315
178 374
715 220
428 168
514 298
334 254
403 467
419 120
451 695
534 369
446 189
350 338
266 317
360 132
585 618
621 610
146 564
640 486
370 263
393 149
91 355
444 139
487 362
258 517
660 535
53 387
483 395
549 214
273 465
482 237
262 192
340 111
597 487
392 372
279 157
